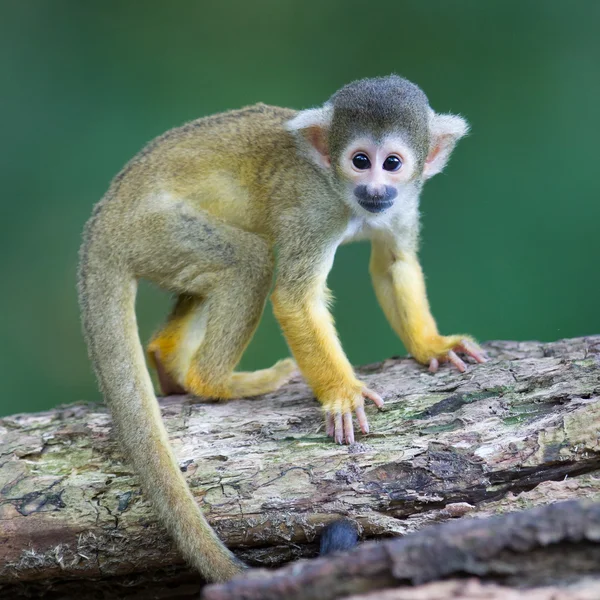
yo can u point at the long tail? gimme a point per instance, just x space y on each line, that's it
107 299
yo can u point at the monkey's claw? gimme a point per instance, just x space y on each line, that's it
339 423
465 346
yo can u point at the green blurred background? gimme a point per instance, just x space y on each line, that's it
510 238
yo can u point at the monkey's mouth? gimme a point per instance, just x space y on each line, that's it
375 203
376 206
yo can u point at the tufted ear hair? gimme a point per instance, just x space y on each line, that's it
311 128
445 131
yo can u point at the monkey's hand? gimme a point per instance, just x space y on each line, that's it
339 406
444 348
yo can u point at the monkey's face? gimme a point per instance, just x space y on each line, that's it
377 172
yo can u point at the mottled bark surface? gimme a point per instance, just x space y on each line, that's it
549 545
519 431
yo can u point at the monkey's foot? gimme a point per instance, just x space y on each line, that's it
340 405
256 383
285 369
447 348
242 384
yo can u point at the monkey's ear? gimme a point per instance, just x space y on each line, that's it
445 131
311 128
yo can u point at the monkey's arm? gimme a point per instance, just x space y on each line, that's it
300 306
400 289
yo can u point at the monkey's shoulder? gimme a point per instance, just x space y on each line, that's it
221 134
254 111
249 117
250 126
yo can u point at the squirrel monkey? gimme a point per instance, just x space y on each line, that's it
199 212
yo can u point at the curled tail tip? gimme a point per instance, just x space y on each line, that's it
338 536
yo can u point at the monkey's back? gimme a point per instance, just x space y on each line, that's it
225 164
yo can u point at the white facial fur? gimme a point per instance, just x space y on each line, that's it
376 178
377 152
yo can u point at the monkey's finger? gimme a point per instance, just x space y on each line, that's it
473 351
348 428
329 424
434 363
457 362
362 419
339 428
374 396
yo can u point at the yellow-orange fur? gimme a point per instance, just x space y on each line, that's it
400 288
310 332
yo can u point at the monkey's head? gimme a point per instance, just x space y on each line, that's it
380 141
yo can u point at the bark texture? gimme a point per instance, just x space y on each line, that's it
554 544
518 432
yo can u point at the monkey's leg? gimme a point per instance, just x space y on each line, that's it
164 347
400 289
172 352
211 325
231 314
168 385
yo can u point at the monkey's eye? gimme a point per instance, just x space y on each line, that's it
361 161
392 163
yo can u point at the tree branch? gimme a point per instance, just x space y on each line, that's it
549 544
519 431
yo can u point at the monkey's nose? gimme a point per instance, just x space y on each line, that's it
376 192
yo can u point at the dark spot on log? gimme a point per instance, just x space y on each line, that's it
453 465
441 477
521 411
124 500
338 536
350 473
552 452
438 472
185 465
455 402
218 457
442 428
34 502
527 478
